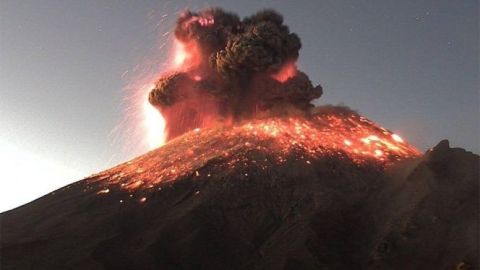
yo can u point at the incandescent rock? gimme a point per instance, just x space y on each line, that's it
327 213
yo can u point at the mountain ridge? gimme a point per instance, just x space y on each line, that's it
316 212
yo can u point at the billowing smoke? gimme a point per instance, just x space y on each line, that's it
231 70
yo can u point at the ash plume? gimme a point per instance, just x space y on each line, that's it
236 69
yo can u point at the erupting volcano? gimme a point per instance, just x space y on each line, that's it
242 74
331 132
227 70
254 176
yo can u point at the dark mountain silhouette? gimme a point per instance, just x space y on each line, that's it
240 208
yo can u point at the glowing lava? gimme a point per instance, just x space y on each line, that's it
286 72
337 133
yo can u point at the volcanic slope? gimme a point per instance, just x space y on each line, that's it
332 192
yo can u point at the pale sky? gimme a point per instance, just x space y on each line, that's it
70 71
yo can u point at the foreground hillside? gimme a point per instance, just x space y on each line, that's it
224 199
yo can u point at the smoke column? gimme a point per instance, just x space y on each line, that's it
230 69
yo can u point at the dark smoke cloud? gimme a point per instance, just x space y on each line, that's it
241 69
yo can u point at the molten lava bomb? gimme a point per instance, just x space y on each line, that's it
228 69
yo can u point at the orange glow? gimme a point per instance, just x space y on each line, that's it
185 55
145 127
153 122
180 54
397 138
286 72
346 136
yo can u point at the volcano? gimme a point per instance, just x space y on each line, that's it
255 176
335 191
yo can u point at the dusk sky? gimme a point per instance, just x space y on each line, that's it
70 71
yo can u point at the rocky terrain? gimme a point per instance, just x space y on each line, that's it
243 209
